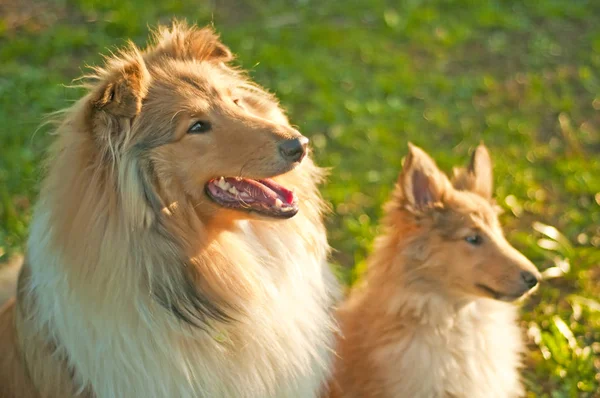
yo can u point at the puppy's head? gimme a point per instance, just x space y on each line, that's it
456 243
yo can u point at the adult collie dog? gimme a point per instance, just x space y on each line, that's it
434 318
177 248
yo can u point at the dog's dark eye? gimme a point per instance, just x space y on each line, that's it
199 127
237 102
474 240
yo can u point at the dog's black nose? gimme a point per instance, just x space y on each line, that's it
294 150
529 279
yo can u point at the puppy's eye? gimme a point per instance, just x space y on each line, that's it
199 127
474 239
237 102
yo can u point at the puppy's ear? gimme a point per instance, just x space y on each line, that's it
184 42
478 176
123 85
421 183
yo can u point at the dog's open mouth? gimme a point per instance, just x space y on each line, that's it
265 196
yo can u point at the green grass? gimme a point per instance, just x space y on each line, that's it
361 78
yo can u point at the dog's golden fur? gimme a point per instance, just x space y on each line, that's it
423 325
135 284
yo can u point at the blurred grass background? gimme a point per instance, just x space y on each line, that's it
361 78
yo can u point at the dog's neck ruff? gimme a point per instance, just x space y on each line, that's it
120 342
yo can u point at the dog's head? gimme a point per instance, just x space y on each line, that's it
455 242
188 127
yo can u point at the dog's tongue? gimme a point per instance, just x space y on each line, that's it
286 195
266 191
263 196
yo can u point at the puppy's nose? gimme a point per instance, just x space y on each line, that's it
294 150
529 279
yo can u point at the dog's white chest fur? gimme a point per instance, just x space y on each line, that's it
125 345
474 356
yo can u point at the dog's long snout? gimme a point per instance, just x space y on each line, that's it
294 150
528 276
514 274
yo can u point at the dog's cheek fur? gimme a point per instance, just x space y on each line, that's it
115 107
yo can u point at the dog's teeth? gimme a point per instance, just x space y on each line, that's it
286 209
244 195
278 203
221 183
224 185
233 190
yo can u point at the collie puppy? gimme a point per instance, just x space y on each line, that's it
434 317
177 248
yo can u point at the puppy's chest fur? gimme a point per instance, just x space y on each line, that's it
475 354
125 345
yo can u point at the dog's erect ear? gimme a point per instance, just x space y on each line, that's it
421 182
123 84
181 41
478 176
481 167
